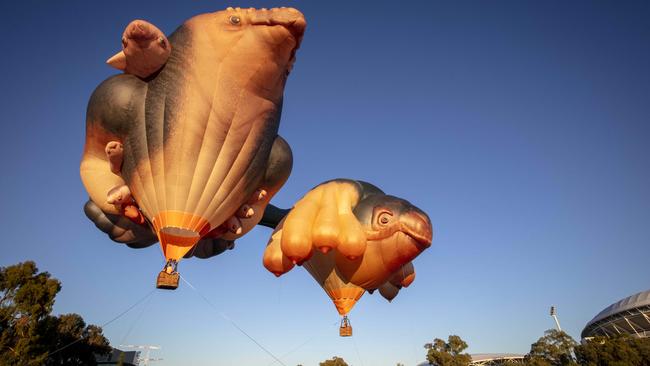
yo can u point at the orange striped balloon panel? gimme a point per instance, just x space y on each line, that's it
344 295
345 298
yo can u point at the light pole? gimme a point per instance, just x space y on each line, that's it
554 315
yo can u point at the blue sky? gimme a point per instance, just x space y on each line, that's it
520 127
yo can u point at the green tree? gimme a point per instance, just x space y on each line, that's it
555 348
512 363
29 334
618 351
335 361
642 346
441 353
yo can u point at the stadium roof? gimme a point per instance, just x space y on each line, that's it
629 315
489 358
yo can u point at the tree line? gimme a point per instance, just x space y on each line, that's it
554 348
30 335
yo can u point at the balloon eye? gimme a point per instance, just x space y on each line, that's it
161 42
234 20
124 42
384 218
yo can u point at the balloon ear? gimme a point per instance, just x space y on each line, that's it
118 61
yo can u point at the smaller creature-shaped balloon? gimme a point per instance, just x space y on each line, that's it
372 235
351 237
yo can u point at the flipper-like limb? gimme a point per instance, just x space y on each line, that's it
114 109
120 228
324 219
119 195
209 247
274 260
115 155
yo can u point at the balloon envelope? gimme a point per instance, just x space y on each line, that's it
197 135
344 294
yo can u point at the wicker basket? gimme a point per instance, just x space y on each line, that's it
167 281
345 331
346 328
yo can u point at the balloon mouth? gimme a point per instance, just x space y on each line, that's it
178 232
417 226
183 224
176 242
345 298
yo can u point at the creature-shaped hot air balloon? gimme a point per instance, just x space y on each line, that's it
351 236
185 142
372 234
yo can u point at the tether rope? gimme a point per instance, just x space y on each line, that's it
357 349
232 322
302 345
103 325
137 319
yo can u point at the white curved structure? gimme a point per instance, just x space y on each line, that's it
630 315
495 359
491 359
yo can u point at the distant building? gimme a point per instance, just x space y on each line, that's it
495 359
128 358
628 316
491 359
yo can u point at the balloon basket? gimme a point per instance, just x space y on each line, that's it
167 281
346 328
